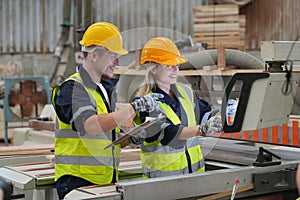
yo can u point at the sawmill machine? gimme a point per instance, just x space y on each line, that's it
247 166
265 100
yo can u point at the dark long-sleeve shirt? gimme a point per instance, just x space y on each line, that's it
172 132
73 96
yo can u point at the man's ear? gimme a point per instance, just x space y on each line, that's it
93 56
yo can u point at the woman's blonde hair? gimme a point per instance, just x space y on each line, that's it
149 82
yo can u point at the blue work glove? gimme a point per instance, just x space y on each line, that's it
146 103
212 125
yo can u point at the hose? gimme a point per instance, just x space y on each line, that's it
233 57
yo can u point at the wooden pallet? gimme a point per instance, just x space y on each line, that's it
219 25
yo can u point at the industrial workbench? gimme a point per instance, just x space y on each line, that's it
226 161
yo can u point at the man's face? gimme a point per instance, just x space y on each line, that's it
109 72
106 62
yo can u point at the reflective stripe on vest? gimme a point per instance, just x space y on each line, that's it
160 149
159 160
197 167
80 154
84 160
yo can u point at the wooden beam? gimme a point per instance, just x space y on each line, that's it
193 72
41 125
227 193
26 149
221 63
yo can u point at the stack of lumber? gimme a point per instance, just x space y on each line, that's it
219 25
16 151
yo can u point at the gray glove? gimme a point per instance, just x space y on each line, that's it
213 125
135 140
146 103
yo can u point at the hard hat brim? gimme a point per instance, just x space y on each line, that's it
172 62
90 49
177 61
121 52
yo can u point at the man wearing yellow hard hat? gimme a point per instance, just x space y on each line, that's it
85 123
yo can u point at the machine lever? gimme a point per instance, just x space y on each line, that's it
264 158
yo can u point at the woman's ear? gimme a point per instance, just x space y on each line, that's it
153 69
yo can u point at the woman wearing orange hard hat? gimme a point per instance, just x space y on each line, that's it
175 149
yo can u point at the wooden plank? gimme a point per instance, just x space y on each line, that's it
218 42
218 7
220 13
137 58
41 125
216 27
24 148
221 58
228 193
242 23
227 44
216 34
223 39
242 20
222 9
194 72
210 19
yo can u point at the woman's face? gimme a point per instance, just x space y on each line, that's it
166 74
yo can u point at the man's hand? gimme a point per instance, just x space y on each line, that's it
146 103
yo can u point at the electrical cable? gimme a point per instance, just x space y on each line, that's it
287 85
288 65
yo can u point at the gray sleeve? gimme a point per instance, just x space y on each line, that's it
83 107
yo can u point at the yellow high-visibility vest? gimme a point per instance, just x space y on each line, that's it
80 154
158 160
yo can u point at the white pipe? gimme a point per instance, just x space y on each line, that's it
237 58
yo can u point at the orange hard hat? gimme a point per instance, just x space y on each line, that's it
103 34
161 50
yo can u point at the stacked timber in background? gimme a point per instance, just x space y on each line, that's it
219 25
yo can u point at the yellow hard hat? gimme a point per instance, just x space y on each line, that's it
103 34
161 50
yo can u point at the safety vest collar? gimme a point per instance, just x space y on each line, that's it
86 79
185 96
167 98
